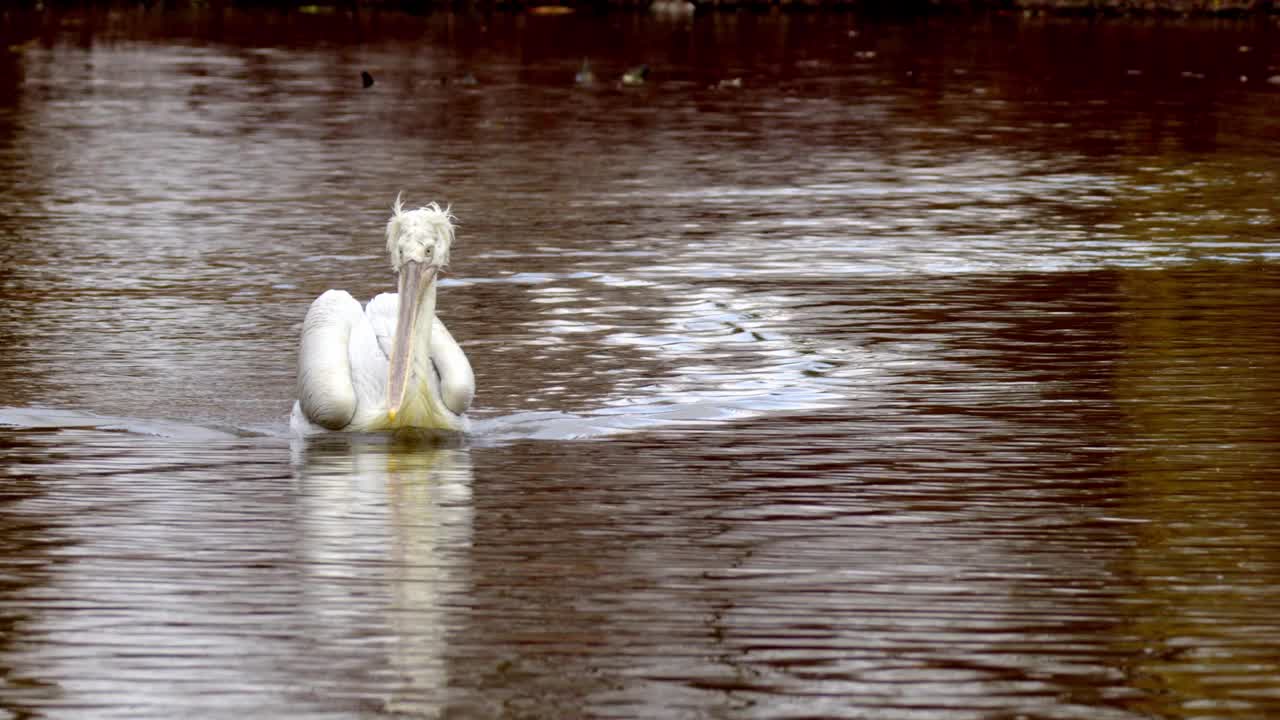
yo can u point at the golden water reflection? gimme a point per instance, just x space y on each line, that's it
1198 386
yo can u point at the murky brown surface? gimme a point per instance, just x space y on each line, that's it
933 373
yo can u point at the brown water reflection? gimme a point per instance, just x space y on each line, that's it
930 374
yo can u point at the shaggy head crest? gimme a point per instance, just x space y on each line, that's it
423 235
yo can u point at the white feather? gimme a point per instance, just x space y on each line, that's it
325 393
422 235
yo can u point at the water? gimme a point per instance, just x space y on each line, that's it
930 374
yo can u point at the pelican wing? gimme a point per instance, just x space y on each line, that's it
325 390
457 381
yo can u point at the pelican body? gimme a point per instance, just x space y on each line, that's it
393 364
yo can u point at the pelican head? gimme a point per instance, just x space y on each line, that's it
418 242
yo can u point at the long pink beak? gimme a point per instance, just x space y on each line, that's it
415 278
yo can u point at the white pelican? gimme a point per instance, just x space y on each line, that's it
393 364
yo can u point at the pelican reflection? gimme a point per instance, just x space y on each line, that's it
386 526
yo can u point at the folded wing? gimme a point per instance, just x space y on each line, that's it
457 381
325 390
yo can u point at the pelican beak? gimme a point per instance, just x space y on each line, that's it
415 278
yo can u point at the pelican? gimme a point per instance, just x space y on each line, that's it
392 364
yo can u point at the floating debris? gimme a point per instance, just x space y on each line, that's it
550 10
729 84
672 8
585 78
468 79
636 75
366 79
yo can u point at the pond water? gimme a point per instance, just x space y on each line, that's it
933 372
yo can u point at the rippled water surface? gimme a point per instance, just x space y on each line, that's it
931 373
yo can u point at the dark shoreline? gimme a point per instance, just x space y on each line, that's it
1138 9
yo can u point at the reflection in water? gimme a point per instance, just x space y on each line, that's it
1200 465
143 583
923 375
218 585
399 515
29 544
